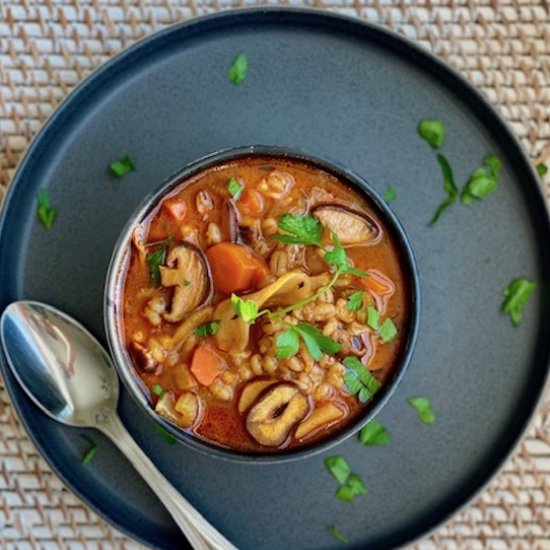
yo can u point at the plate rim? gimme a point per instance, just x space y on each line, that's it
345 24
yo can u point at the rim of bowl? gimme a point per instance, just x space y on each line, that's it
117 270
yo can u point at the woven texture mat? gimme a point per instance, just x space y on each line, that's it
48 46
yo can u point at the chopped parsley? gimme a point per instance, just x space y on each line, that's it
355 300
542 169
354 487
391 194
316 342
207 329
90 453
247 310
300 229
516 297
449 186
158 390
238 71
338 467
122 167
168 437
338 258
337 534
186 282
373 318
387 330
156 259
482 182
45 212
235 188
350 484
423 407
374 435
433 132
359 381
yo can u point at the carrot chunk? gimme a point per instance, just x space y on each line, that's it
235 268
207 364
251 202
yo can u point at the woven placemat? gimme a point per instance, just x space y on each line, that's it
48 46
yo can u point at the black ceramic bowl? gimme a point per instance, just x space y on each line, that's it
115 279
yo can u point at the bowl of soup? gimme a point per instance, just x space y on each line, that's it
263 304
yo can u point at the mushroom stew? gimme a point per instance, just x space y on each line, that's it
264 304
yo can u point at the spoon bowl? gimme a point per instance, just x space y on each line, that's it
59 364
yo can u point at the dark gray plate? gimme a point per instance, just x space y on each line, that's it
346 91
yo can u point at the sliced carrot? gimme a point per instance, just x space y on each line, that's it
176 207
158 231
262 272
235 268
207 364
251 202
378 283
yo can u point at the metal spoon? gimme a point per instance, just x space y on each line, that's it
69 375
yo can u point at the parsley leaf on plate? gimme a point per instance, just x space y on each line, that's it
449 186
90 452
359 381
374 434
337 534
235 188
351 484
46 214
517 294
483 181
542 169
302 229
338 467
207 329
423 407
238 71
168 437
433 132
354 487
247 310
122 167
391 194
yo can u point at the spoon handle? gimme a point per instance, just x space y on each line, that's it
201 534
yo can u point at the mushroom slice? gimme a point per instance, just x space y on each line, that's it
233 332
353 228
199 317
143 357
187 270
270 420
321 417
251 391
